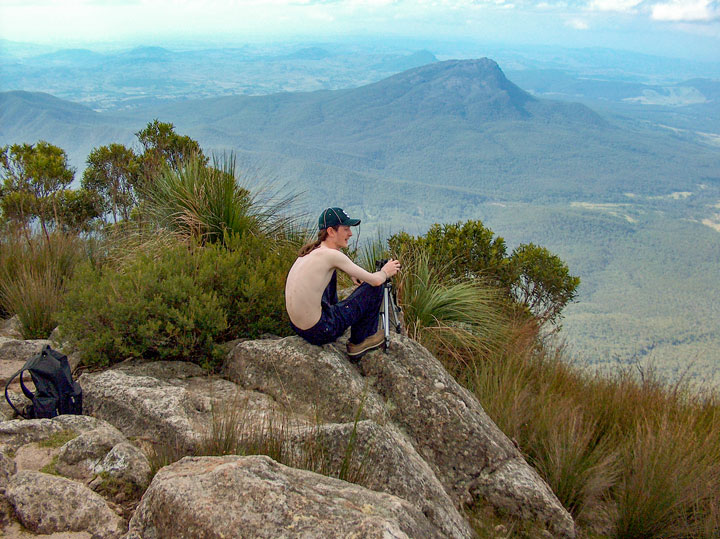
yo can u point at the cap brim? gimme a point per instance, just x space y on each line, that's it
352 222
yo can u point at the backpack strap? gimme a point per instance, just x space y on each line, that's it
25 390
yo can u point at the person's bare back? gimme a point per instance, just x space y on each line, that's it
308 278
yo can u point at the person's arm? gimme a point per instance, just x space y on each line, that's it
342 262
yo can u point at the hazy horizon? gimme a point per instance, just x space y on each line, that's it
675 28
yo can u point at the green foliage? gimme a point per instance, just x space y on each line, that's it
58 439
32 174
457 317
112 172
35 187
370 252
177 301
162 147
51 467
541 281
151 307
465 250
248 278
77 209
207 203
531 276
201 202
116 489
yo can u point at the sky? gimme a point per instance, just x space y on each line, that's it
682 28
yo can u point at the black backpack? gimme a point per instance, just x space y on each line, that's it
55 391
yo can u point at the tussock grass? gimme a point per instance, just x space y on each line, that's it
628 456
209 203
459 319
237 429
33 273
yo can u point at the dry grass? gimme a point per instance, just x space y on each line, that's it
33 273
237 429
628 456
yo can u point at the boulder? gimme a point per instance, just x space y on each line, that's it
408 387
47 504
471 457
313 380
18 399
173 413
255 496
7 469
127 464
78 457
19 432
76 447
163 370
381 459
11 328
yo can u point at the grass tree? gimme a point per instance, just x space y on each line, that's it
209 203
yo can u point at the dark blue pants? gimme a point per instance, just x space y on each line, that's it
359 312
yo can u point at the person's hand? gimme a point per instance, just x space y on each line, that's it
391 268
355 280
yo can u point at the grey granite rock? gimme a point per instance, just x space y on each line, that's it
47 504
173 412
314 380
470 455
381 459
257 497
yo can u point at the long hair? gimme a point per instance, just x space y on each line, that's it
322 236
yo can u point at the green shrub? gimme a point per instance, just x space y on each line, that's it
531 277
150 307
248 278
178 302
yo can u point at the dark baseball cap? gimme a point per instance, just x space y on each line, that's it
335 216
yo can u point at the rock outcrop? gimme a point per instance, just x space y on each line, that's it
257 497
51 468
381 459
11 328
412 450
173 411
318 381
470 454
447 426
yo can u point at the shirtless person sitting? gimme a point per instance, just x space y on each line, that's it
311 290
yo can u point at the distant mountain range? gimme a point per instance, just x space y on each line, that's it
457 124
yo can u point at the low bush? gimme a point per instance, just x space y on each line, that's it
248 277
151 308
177 303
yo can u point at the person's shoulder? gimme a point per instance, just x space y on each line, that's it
333 255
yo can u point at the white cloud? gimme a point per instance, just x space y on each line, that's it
614 5
686 10
577 24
